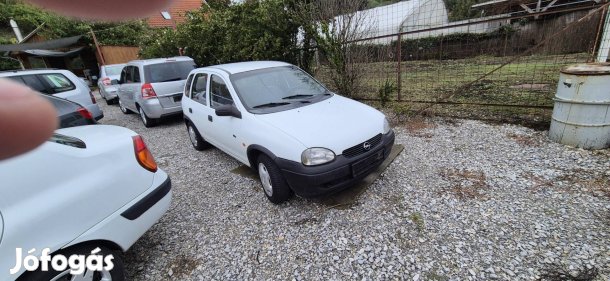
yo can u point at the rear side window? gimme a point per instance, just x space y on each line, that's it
168 71
33 82
136 74
58 82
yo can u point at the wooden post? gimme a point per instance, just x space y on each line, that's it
97 47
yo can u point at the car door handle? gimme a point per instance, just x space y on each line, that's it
210 118
190 110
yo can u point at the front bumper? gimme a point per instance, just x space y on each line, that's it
341 173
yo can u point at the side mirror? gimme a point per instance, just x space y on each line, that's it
228 110
114 82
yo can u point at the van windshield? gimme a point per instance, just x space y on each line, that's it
168 71
275 87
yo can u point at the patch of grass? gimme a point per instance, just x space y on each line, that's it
182 266
466 184
558 273
418 220
418 127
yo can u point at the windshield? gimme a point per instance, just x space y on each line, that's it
277 87
114 70
168 71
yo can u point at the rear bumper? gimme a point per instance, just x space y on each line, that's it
335 176
125 226
154 109
96 112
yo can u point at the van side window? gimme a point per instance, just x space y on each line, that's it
126 75
198 92
219 93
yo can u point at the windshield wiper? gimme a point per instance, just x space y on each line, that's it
169 80
271 104
296 97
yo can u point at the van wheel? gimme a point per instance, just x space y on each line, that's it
117 273
196 139
148 122
275 186
123 108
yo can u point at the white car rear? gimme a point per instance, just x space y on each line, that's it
55 197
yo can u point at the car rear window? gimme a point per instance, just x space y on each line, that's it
168 71
58 82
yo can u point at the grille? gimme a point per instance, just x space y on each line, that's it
359 148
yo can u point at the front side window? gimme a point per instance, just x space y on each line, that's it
219 93
58 82
198 92
277 88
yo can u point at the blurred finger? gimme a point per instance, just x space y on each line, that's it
26 119
111 10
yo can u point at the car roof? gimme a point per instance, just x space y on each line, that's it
29 71
159 60
238 67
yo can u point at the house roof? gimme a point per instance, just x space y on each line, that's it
177 10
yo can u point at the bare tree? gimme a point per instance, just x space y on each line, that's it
335 27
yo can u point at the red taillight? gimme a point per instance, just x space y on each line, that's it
106 81
85 113
92 97
145 158
148 91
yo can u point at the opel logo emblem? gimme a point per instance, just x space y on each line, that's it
366 145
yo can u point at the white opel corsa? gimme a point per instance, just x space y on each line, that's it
55 200
278 120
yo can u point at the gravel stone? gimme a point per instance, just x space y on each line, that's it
465 200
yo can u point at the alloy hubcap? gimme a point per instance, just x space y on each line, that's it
192 135
88 275
265 179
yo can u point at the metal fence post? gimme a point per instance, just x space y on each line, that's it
398 68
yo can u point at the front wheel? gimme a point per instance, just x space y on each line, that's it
117 273
275 186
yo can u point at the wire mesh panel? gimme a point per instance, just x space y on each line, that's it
496 60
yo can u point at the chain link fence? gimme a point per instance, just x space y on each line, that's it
502 64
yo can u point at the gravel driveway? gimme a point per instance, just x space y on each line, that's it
465 200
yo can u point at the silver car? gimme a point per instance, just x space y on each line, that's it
110 72
58 83
153 88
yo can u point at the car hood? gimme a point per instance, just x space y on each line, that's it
336 123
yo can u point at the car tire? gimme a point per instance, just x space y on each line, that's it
124 109
274 185
117 273
108 102
148 122
195 138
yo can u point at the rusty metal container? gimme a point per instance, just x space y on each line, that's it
581 115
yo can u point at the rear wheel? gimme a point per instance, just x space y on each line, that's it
196 139
275 186
123 108
117 273
148 122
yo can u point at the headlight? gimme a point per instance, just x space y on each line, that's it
317 156
386 126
